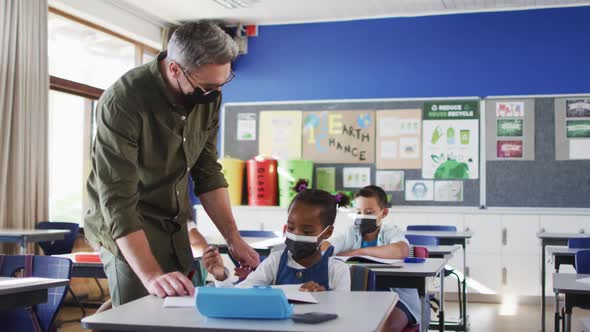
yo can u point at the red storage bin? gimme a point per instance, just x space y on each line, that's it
262 181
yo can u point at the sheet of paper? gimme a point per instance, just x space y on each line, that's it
356 177
246 130
509 149
510 109
388 150
399 139
419 190
450 141
577 108
409 147
577 128
448 191
325 178
390 180
579 148
280 134
179 302
293 293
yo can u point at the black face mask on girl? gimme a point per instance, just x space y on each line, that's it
302 246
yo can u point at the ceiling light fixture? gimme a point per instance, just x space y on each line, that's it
235 4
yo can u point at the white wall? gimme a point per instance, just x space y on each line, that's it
114 16
503 257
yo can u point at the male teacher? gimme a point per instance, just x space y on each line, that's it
157 125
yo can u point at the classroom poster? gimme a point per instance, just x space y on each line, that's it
280 134
390 180
246 128
510 109
509 149
577 108
419 190
326 178
448 191
450 140
510 127
356 177
398 139
339 136
579 149
577 128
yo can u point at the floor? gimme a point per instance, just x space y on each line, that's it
484 317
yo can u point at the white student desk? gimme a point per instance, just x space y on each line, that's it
28 293
551 239
575 293
440 251
24 236
415 275
357 311
453 238
585 324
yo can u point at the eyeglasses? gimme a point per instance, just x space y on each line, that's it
207 91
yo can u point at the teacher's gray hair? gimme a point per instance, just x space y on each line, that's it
196 44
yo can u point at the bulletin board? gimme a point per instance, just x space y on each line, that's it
241 138
548 166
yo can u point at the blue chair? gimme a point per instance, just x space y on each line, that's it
422 240
59 247
65 246
579 243
583 262
362 279
43 267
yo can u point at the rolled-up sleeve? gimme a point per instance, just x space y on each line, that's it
207 171
116 158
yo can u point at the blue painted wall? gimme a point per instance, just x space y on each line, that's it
523 52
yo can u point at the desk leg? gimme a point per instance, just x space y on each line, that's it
23 246
423 323
441 312
556 323
543 244
464 318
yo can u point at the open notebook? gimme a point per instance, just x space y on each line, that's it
370 260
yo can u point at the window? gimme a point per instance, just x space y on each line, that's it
84 59
69 154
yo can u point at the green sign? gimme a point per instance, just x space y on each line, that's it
510 128
578 128
451 110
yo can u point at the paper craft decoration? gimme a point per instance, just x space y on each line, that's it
450 140
390 180
280 134
419 190
398 137
448 191
339 136
509 149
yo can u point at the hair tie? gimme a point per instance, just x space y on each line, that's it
302 187
338 197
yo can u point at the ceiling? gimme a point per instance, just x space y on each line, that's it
298 11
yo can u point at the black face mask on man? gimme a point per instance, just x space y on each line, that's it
198 96
366 223
302 246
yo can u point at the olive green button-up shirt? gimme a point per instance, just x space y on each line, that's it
145 148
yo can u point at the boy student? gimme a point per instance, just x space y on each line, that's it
311 220
370 236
